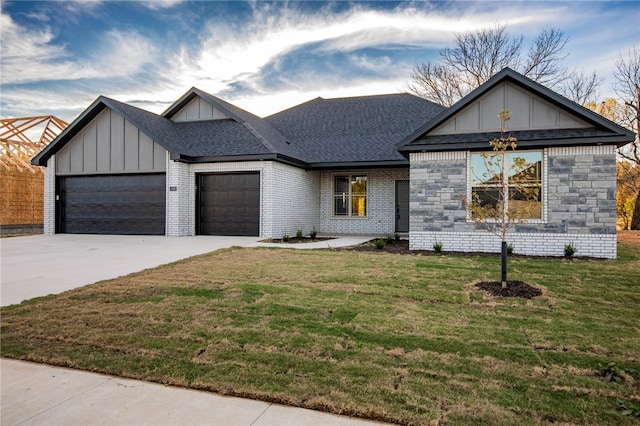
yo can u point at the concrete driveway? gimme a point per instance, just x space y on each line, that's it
39 265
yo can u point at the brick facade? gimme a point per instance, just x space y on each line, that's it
578 199
289 196
49 208
381 204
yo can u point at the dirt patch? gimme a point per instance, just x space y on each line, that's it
629 236
513 289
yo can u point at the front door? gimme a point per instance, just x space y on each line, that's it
402 206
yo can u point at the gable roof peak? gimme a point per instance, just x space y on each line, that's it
618 133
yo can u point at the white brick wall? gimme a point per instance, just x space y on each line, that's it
381 203
534 244
179 208
291 201
289 196
50 196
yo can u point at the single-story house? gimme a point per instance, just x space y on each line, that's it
364 165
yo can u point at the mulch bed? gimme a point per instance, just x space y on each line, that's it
294 240
514 289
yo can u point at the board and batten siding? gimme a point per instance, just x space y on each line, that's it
198 109
528 112
109 144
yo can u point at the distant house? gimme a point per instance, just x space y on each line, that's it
365 165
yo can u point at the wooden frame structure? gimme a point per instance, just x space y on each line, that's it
17 146
21 183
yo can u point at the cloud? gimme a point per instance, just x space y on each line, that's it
161 4
32 56
263 55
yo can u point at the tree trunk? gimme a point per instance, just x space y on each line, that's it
504 264
635 219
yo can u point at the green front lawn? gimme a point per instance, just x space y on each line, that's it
400 338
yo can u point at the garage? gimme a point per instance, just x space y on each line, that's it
229 204
131 204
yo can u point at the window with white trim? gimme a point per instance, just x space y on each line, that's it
523 173
350 195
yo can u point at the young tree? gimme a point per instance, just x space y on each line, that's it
506 189
479 55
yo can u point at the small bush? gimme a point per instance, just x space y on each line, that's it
509 249
285 238
313 234
437 247
389 239
611 373
380 243
396 236
569 251
299 234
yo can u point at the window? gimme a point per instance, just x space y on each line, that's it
524 174
350 195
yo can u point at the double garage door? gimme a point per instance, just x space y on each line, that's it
228 204
111 204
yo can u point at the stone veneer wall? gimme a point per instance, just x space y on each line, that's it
579 205
381 203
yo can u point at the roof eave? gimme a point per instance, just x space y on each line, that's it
342 165
235 158
526 144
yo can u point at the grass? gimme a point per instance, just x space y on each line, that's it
401 338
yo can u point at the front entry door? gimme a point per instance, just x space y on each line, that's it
402 206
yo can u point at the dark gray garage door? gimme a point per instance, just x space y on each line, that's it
113 204
229 204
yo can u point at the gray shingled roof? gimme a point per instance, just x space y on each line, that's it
526 138
353 130
218 138
326 133
235 135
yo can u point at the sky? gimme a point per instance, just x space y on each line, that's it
57 57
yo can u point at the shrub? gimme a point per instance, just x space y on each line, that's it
389 239
396 236
285 238
380 243
437 247
313 234
299 234
569 251
509 249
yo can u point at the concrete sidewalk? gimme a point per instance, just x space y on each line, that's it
36 394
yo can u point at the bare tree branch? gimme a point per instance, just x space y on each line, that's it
476 56
544 58
580 87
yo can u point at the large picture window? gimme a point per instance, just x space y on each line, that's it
523 174
350 195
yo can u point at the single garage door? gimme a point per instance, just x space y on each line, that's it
111 204
229 204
